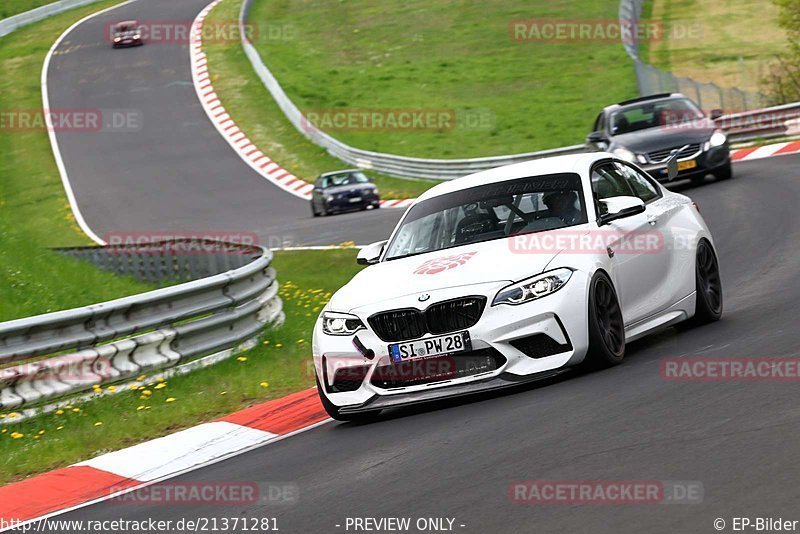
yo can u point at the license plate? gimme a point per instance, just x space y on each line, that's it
355 199
685 165
432 346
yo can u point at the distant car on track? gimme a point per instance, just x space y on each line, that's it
511 275
343 191
126 33
646 130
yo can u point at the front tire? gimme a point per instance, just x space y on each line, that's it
708 285
606 327
333 410
725 173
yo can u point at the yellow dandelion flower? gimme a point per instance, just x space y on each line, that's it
171 399
160 379
13 415
112 389
4 431
76 410
99 423
41 432
264 384
59 412
242 358
141 378
147 392
278 345
139 408
301 340
223 392
17 435
266 342
59 427
161 385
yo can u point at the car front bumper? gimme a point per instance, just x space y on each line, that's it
344 204
708 161
561 316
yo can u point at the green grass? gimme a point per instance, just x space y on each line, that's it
445 54
13 7
730 43
272 370
257 114
34 213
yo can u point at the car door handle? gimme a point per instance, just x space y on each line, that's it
652 220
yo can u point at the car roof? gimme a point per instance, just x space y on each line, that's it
344 171
535 167
650 98
127 23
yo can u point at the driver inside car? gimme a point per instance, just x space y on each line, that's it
561 204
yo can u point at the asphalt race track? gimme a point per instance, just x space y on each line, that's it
169 170
457 460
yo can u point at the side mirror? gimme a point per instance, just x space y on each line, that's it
370 254
619 207
716 113
596 137
672 163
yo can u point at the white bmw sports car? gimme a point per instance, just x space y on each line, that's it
510 275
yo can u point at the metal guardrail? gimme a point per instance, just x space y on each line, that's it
746 126
652 80
114 341
14 22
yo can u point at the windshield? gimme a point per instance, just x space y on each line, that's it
654 114
491 211
350 178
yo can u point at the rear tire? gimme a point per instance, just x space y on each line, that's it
606 327
333 410
708 286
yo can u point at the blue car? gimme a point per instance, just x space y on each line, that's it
339 191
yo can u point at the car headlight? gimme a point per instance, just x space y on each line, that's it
533 288
625 154
718 138
375 191
340 324
137 36
117 39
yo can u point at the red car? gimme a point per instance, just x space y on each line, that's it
127 33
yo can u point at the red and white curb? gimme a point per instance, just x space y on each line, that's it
235 137
120 472
766 151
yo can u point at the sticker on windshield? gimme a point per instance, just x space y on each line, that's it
437 265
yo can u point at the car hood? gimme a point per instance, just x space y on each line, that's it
492 261
663 138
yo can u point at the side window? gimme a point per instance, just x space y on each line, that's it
641 186
599 123
608 182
